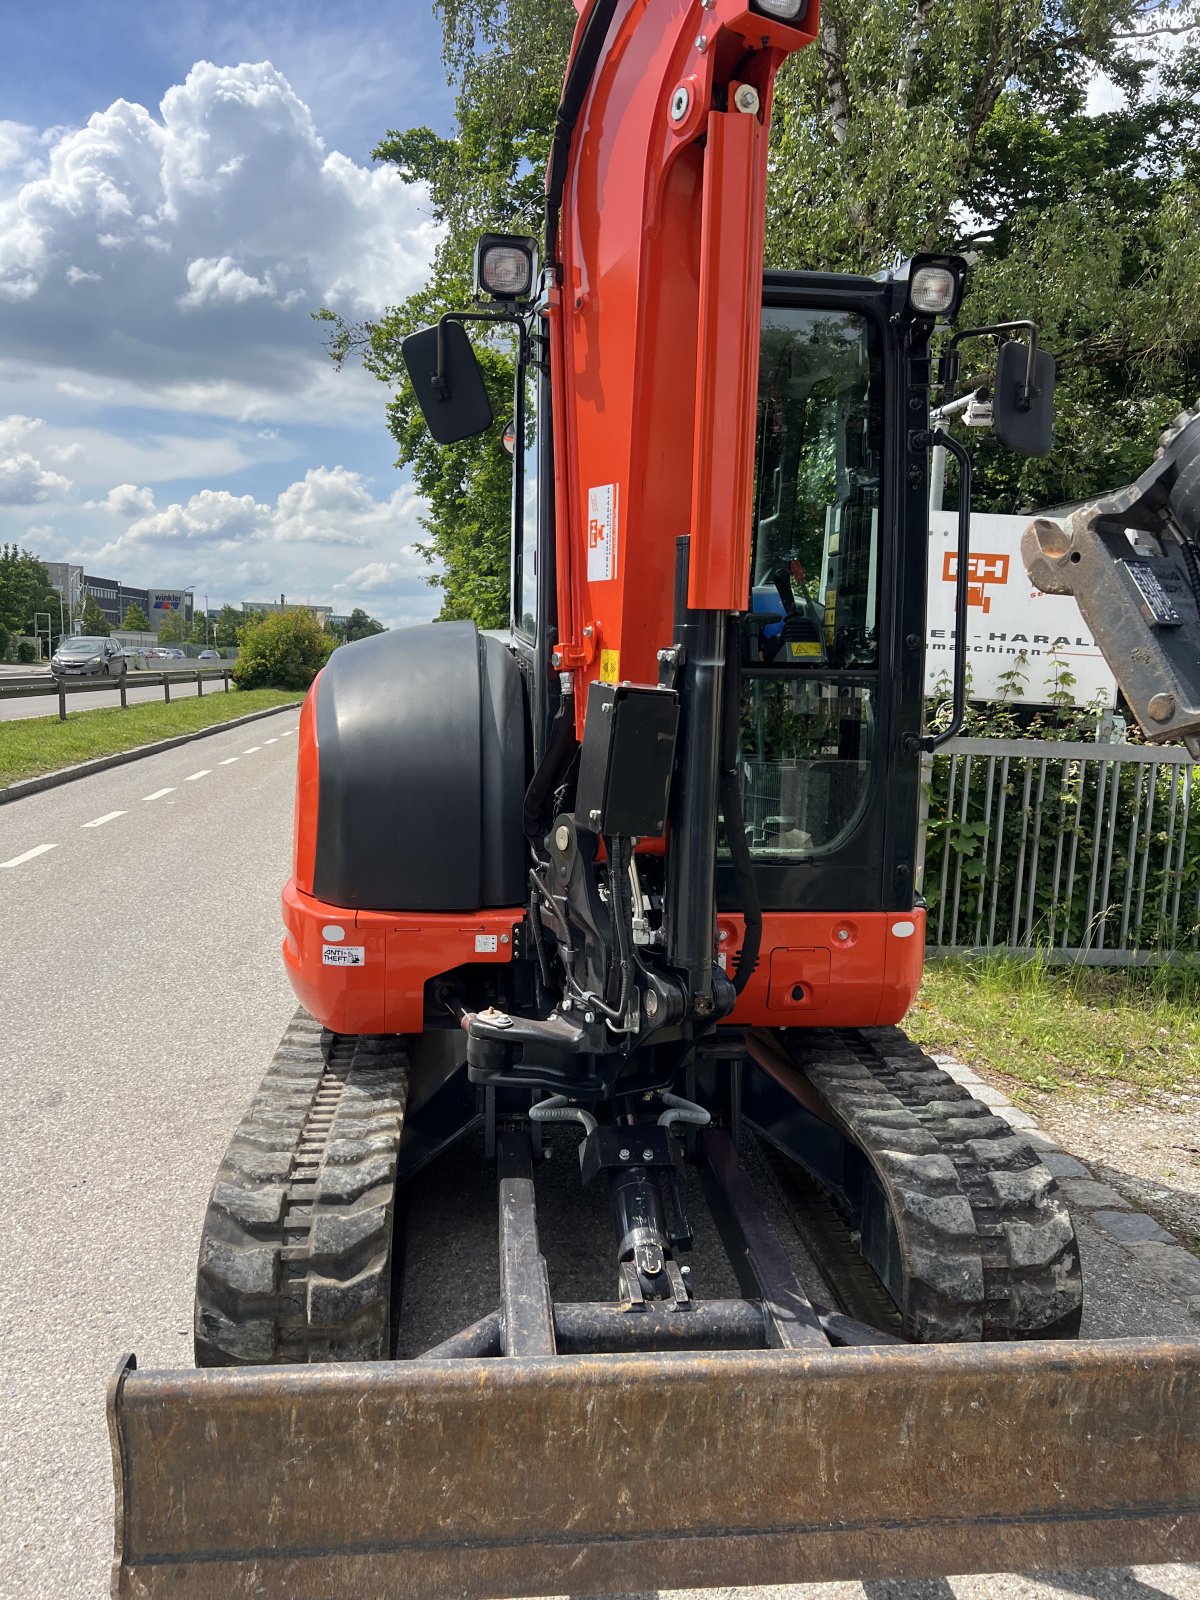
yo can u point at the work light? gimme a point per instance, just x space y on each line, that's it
504 266
782 10
935 286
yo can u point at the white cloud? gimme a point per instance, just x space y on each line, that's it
24 481
124 500
188 248
374 576
211 282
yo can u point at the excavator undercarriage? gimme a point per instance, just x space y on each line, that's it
657 1439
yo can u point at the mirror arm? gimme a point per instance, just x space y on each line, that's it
927 441
440 386
1023 325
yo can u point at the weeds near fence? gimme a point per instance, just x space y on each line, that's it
1052 1027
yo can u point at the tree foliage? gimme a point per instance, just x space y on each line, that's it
909 125
358 625
171 628
135 619
24 591
282 650
93 619
227 630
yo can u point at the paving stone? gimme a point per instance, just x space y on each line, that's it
1042 1141
1176 1267
1133 1227
1064 1166
1089 1194
959 1073
990 1096
1015 1117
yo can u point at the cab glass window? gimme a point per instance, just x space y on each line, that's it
814 578
810 639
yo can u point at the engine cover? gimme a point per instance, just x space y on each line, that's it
421 735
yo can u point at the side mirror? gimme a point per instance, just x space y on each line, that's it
450 392
1023 402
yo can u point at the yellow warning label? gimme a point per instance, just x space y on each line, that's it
610 666
798 648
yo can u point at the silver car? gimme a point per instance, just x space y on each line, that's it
85 657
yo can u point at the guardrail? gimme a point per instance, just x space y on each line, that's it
29 688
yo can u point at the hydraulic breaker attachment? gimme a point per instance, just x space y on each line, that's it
593 1474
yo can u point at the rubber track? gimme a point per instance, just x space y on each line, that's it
986 1241
295 1255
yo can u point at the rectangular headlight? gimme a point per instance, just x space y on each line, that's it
935 286
781 10
505 265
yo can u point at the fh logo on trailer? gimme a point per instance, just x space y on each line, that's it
981 571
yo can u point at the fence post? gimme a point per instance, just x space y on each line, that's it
166 687
62 699
225 675
199 681
121 681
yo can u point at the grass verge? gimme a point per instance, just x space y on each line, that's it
1050 1027
34 745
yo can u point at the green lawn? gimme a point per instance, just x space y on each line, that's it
34 745
1064 1027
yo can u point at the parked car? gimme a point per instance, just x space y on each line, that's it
172 655
209 655
88 657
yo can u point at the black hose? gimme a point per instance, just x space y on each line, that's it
546 779
731 811
578 82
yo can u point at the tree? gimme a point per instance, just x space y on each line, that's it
227 630
284 650
93 619
360 626
909 125
136 620
170 629
24 591
198 628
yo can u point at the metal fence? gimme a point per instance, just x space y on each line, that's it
38 685
1087 852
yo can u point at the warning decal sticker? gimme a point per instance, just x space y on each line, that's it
343 955
602 533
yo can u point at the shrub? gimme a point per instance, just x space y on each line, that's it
283 650
26 652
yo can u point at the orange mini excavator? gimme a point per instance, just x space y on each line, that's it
637 883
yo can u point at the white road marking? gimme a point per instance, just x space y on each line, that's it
158 794
38 850
287 733
98 822
228 761
270 741
252 749
192 776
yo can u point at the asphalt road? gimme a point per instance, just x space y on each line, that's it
104 695
141 999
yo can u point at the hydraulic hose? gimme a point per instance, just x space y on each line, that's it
731 811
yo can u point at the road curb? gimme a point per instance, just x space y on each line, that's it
85 769
1132 1230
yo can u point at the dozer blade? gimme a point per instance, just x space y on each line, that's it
602 1474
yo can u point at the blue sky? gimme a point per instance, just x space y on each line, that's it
178 189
